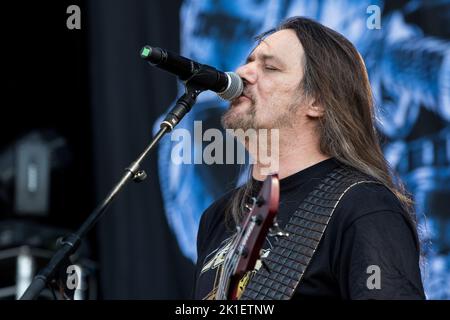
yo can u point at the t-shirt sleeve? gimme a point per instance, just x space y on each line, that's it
202 229
379 259
212 216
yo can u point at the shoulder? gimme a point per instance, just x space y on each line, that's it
373 205
216 209
213 217
364 198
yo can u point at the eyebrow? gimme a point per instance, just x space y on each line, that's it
264 57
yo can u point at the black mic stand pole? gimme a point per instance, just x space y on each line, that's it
71 242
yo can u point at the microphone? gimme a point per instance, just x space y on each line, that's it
227 85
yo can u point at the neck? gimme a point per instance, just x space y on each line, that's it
295 154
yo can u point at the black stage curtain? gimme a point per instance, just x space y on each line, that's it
139 257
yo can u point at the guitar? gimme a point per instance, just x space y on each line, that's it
246 245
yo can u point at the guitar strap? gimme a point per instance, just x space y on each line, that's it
291 255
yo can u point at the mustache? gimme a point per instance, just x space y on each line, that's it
246 93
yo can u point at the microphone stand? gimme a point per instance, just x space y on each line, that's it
70 243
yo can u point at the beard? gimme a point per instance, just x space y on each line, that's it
232 119
235 119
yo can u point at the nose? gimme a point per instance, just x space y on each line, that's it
248 73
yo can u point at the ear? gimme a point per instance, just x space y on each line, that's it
315 110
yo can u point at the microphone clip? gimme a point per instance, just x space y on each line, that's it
184 103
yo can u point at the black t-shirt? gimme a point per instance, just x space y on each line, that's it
368 251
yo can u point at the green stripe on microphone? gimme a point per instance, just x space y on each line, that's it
146 51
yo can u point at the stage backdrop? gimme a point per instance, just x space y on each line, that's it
407 53
139 257
147 241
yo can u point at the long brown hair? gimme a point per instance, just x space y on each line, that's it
336 77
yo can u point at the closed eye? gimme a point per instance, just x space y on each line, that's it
271 68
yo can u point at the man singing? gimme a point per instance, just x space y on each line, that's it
310 83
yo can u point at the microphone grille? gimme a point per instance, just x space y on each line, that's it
234 88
